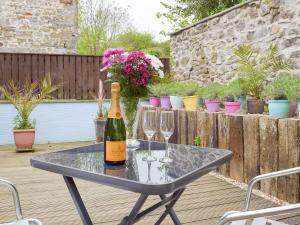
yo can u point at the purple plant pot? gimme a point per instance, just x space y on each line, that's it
293 109
165 102
232 107
154 101
212 105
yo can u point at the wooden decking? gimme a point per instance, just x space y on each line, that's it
44 196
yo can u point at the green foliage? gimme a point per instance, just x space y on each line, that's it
182 13
233 90
284 86
213 91
104 24
143 41
26 98
197 141
189 88
254 68
159 89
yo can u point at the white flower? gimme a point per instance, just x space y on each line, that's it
155 62
109 75
161 73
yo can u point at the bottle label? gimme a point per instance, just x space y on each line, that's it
115 150
114 114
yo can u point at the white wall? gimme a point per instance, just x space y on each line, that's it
55 122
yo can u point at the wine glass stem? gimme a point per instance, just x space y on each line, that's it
167 148
149 146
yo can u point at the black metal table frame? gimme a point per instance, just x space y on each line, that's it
135 214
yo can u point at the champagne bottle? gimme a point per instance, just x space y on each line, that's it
115 132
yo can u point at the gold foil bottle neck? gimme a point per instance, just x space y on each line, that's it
115 87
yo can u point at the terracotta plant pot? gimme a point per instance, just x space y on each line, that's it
24 139
154 101
190 103
232 107
255 106
165 102
212 105
99 129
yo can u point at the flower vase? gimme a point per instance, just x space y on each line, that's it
129 109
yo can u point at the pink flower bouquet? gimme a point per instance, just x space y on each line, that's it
134 70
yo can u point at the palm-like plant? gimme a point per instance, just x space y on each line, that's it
254 68
26 98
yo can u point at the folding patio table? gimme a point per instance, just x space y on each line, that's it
166 181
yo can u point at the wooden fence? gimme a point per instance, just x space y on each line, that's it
78 75
260 144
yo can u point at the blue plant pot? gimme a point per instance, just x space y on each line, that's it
279 108
243 101
200 102
176 102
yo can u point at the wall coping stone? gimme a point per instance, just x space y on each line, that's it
212 17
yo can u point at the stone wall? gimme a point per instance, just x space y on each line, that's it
203 51
38 26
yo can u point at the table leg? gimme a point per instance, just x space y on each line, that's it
129 220
78 201
169 209
172 212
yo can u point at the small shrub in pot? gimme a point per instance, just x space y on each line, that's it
160 91
231 93
253 70
25 99
176 90
281 92
212 93
190 99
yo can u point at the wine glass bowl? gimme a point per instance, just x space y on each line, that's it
149 128
167 130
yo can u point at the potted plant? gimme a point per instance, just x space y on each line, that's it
281 91
176 90
190 100
161 92
212 93
101 118
231 94
25 99
253 70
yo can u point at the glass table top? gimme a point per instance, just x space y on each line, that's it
186 160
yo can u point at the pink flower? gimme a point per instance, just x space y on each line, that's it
113 56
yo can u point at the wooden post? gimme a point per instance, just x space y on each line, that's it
289 157
268 152
251 146
182 127
223 139
191 118
237 147
207 128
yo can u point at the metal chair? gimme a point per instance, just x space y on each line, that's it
20 220
259 216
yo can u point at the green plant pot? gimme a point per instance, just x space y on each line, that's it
200 102
279 108
243 101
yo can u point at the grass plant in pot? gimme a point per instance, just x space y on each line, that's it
101 118
253 70
281 92
231 93
212 93
161 91
190 99
25 99
176 91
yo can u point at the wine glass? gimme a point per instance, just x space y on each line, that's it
149 127
167 130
